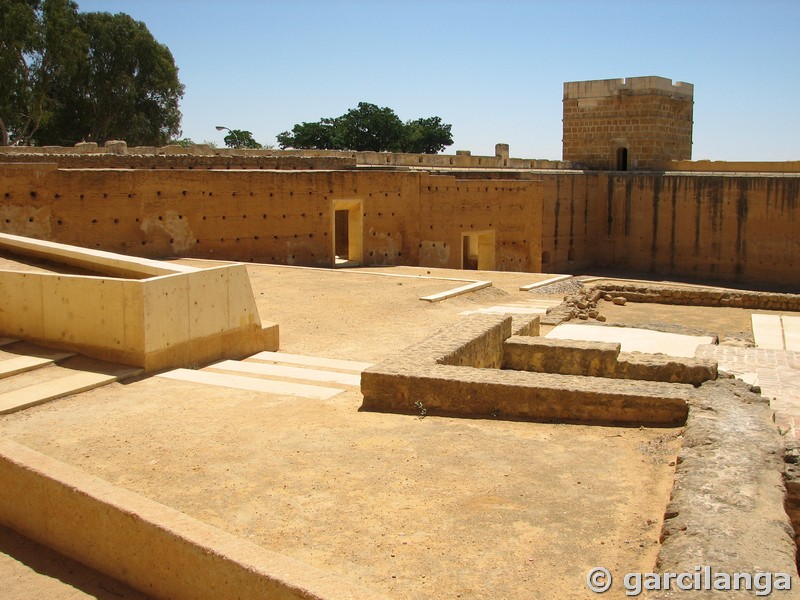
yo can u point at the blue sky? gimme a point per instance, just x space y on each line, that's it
494 69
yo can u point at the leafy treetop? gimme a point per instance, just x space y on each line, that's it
370 128
83 76
238 138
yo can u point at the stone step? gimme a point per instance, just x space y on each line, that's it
311 361
45 391
283 388
256 368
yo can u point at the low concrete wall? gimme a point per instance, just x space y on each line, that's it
181 317
151 547
455 372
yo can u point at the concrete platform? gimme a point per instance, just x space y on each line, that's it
633 339
312 361
791 333
768 332
282 371
470 287
283 388
507 310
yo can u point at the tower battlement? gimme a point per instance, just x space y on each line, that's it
604 88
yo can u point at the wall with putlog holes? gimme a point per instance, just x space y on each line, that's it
731 226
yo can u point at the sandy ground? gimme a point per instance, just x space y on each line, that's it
412 507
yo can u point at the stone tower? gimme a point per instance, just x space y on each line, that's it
627 124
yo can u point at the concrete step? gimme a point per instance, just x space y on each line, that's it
20 364
20 357
283 388
282 371
311 361
32 395
39 379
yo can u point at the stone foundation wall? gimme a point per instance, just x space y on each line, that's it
701 297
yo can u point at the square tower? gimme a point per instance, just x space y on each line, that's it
627 124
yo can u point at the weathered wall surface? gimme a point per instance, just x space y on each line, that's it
572 213
738 228
512 209
275 216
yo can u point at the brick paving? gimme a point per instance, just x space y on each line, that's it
776 372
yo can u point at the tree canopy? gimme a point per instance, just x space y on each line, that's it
370 128
83 77
239 138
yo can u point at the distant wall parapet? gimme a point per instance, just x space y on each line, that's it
116 154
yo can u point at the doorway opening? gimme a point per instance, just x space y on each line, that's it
477 251
348 233
622 159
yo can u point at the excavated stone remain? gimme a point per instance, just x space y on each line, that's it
727 506
457 372
602 359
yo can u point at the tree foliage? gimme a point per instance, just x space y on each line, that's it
239 138
83 76
370 128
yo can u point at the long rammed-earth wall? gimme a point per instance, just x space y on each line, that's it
742 227
727 227
282 216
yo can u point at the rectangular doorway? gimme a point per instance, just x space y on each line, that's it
348 233
477 251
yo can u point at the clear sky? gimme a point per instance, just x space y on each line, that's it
494 69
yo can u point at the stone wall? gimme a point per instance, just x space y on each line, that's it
649 117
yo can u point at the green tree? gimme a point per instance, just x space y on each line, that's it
318 136
426 136
41 44
125 87
238 138
370 128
